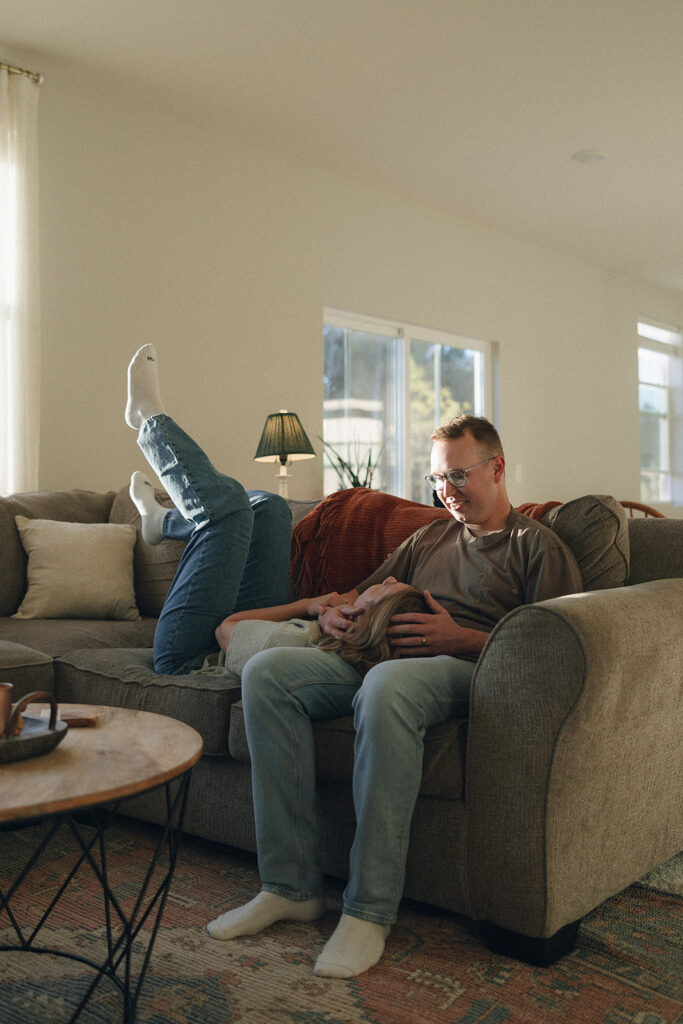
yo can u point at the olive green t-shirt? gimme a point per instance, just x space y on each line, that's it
480 579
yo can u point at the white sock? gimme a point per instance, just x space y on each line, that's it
151 512
354 947
144 397
264 910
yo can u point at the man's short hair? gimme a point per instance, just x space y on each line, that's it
479 427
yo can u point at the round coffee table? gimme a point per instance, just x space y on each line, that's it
80 785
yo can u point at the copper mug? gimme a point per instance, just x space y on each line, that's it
10 717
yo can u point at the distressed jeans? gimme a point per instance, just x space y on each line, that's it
237 546
284 691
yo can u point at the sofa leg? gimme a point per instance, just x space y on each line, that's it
540 952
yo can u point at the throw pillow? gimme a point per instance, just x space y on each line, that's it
77 570
595 529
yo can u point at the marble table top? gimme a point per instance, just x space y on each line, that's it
129 752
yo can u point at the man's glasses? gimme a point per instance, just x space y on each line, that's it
455 477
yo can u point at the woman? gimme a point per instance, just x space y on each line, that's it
363 645
235 565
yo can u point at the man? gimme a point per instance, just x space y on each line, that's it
474 568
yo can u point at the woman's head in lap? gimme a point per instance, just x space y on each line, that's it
366 643
370 597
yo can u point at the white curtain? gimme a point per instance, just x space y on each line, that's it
19 284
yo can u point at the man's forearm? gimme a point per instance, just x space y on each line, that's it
469 641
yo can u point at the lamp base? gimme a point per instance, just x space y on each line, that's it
283 480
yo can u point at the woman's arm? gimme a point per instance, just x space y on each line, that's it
304 608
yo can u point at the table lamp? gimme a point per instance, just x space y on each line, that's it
285 440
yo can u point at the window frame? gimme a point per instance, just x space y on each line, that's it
663 339
404 333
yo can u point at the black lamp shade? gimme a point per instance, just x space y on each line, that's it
283 437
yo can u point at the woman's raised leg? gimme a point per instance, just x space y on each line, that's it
223 549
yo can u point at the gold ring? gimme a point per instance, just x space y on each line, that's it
424 641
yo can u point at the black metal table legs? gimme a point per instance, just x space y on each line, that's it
128 943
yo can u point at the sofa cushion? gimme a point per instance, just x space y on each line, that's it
25 669
57 636
126 678
155 566
77 570
595 529
300 508
443 773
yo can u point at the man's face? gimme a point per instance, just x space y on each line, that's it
478 502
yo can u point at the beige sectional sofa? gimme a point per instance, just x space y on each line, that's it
561 788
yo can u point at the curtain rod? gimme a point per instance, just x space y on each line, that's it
33 75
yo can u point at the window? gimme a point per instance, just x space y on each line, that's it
386 386
19 290
8 291
660 402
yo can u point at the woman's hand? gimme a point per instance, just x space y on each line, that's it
334 620
316 605
423 635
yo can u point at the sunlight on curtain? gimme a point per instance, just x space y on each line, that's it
19 284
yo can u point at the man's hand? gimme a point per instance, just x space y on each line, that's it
423 635
335 620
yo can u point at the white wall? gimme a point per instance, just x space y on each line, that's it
224 256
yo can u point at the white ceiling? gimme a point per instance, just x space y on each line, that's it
472 106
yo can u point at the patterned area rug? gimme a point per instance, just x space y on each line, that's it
626 968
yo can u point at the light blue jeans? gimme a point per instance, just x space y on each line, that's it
237 551
284 690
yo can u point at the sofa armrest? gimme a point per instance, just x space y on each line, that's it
574 772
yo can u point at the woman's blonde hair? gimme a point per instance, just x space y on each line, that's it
366 643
